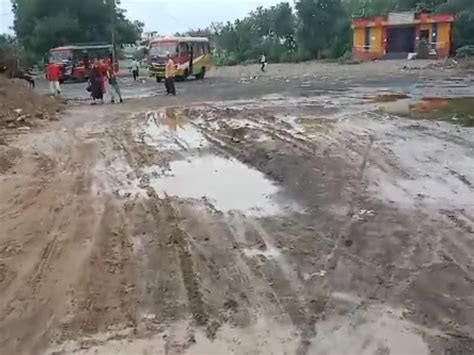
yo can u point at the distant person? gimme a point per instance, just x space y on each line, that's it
114 87
53 72
169 76
135 67
263 62
96 80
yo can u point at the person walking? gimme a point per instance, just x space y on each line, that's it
104 68
96 83
53 72
114 87
169 76
263 62
135 67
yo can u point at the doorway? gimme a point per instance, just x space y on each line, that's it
401 39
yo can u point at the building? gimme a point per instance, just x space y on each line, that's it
401 33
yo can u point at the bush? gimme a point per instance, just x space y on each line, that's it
348 59
465 51
226 60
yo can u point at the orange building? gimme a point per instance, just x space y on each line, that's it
400 33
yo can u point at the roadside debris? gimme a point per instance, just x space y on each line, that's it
22 107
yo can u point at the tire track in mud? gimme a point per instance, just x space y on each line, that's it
181 241
285 283
45 259
346 228
170 239
102 297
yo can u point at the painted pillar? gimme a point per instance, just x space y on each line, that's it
384 40
417 36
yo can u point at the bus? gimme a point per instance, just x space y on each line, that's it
192 56
75 61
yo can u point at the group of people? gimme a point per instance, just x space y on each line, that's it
102 80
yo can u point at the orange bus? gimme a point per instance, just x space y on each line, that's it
75 60
192 56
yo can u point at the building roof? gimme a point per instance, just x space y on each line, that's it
420 18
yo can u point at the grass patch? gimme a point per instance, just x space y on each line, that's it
453 110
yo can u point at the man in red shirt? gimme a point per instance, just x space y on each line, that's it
53 72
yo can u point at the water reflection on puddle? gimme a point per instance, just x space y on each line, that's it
168 130
227 184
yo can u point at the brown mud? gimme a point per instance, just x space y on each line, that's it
304 224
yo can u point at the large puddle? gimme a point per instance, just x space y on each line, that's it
227 184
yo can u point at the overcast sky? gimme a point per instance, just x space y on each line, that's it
169 16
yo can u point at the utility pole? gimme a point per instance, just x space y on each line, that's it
112 30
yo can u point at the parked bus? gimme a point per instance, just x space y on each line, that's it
192 56
75 61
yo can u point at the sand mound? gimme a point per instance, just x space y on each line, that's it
21 106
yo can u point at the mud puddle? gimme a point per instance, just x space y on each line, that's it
455 110
227 184
386 97
458 110
170 130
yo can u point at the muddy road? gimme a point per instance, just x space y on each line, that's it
245 216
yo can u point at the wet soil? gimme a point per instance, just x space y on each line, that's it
262 217
458 110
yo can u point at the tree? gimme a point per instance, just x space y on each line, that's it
463 33
317 23
42 24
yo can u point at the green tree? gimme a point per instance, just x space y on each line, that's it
318 24
463 33
270 30
42 24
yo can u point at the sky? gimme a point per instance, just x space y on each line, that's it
169 16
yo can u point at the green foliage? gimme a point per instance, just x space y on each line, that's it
318 23
43 24
465 52
463 33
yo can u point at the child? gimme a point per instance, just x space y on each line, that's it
115 88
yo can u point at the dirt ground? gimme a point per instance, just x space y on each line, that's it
308 210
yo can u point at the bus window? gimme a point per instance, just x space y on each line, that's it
183 49
196 49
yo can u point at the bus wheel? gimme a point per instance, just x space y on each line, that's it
202 74
158 79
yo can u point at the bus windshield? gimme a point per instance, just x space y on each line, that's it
60 56
164 48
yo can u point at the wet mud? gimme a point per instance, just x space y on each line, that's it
304 224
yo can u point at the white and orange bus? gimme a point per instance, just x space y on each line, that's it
192 56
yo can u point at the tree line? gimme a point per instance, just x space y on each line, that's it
43 24
318 28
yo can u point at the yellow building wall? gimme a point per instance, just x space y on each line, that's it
376 39
359 38
444 33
